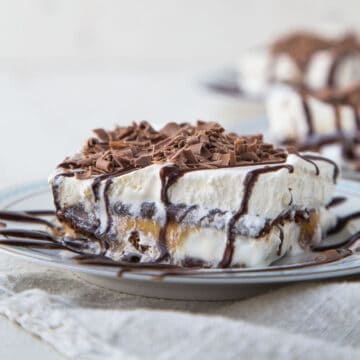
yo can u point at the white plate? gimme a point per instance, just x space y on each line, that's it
214 284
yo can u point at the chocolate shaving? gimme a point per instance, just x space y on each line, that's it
104 165
101 134
143 161
203 146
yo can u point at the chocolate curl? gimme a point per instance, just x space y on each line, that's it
224 160
232 159
240 146
197 149
143 161
179 158
87 161
171 129
104 165
248 156
102 134
117 144
190 158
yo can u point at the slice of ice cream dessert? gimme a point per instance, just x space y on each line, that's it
192 195
301 58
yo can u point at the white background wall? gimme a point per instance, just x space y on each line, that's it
191 30
67 66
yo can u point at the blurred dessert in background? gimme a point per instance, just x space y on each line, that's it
325 120
303 58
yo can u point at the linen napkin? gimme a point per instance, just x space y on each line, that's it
84 321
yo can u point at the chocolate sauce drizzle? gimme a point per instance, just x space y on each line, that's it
346 243
306 158
249 183
169 176
335 201
107 204
356 116
337 118
342 222
32 234
332 71
308 115
321 158
23 217
338 58
281 236
55 188
99 179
